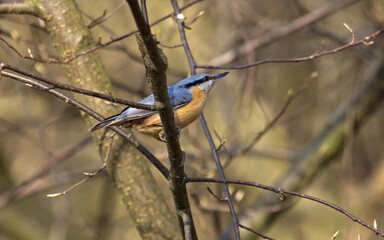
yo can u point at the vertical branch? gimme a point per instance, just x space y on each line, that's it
192 65
144 10
188 52
156 65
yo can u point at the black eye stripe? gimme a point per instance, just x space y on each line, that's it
204 79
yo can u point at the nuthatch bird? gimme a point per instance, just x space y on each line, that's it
187 98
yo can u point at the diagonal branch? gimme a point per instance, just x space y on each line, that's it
282 31
368 40
85 109
20 8
60 85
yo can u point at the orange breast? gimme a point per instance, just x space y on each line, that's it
191 111
183 115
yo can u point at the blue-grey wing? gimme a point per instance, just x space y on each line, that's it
177 99
179 96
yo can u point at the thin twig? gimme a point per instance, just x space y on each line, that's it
183 38
219 167
91 174
172 46
290 97
63 86
19 8
215 196
189 23
29 56
88 175
253 231
105 16
126 35
27 187
98 46
97 20
282 31
368 40
292 193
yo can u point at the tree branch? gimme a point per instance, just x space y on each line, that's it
281 191
26 7
31 82
63 86
156 65
368 40
280 32
326 146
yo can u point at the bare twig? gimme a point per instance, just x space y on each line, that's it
97 20
189 23
215 196
290 97
368 40
91 174
253 231
98 46
280 32
177 11
351 31
88 175
20 8
63 86
292 193
172 46
125 35
29 186
29 56
219 167
106 16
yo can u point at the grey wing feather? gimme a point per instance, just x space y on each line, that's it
182 97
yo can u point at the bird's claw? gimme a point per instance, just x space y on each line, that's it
182 162
162 137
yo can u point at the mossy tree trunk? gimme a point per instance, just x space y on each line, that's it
127 167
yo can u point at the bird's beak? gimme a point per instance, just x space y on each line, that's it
221 75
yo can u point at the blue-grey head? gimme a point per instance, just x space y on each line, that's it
203 81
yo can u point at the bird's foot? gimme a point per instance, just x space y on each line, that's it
162 136
182 161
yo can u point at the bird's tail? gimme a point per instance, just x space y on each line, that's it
105 123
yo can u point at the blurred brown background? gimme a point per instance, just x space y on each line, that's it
38 131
